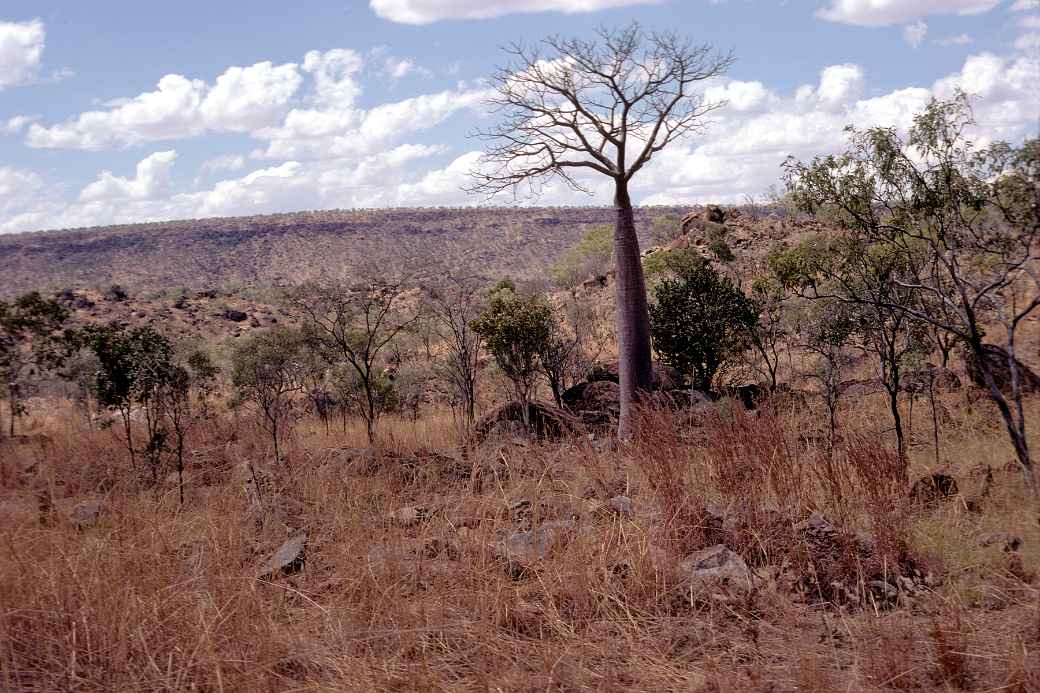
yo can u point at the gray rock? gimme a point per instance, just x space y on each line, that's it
86 513
883 590
1008 542
288 559
621 506
520 550
410 515
713 570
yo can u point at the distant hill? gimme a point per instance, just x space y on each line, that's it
288 248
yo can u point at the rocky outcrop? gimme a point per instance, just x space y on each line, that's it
544 421
998 363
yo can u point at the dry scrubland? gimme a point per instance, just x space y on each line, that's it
156 596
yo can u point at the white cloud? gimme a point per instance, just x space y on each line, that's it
958 40
247 98
21 50
914 33
226 162
428 11
337 133
1025 5
334 74
740 96
1028 43
1030 22
329 152
886 12
151 181
15 125
17 187
839 84
241 99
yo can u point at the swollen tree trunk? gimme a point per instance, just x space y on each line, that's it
633 315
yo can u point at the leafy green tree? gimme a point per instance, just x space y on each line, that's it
133 365
863 276
665 228
771 299
589 258
267 370
516 330
455 301
353 325
28 345
700 320
964 221
182 410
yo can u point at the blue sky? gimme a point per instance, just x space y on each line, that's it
118 111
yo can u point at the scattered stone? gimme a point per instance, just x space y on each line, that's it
86 513
1008 542
410 515
883 591
521 550
929 490
288 559
620 506
235 315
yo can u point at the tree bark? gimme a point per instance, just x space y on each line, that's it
633 314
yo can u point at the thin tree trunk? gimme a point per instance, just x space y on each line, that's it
633 315
1017 434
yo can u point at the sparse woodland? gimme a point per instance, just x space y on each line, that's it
407 478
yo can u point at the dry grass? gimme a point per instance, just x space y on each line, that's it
162 597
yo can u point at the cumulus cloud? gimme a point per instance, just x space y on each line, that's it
152 180
429 11
330 152
886 12
21 50
17 186
241 99
914 33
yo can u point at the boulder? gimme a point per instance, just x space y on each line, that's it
597 396
289 558
545 420
235 315
714 214
665 378
939 378
929 490
715 572
998 363
749 395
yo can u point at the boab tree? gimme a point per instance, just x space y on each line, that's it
604 106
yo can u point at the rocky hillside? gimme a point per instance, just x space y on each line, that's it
287 248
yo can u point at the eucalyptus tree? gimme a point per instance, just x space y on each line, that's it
28 345
965 221
603 106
